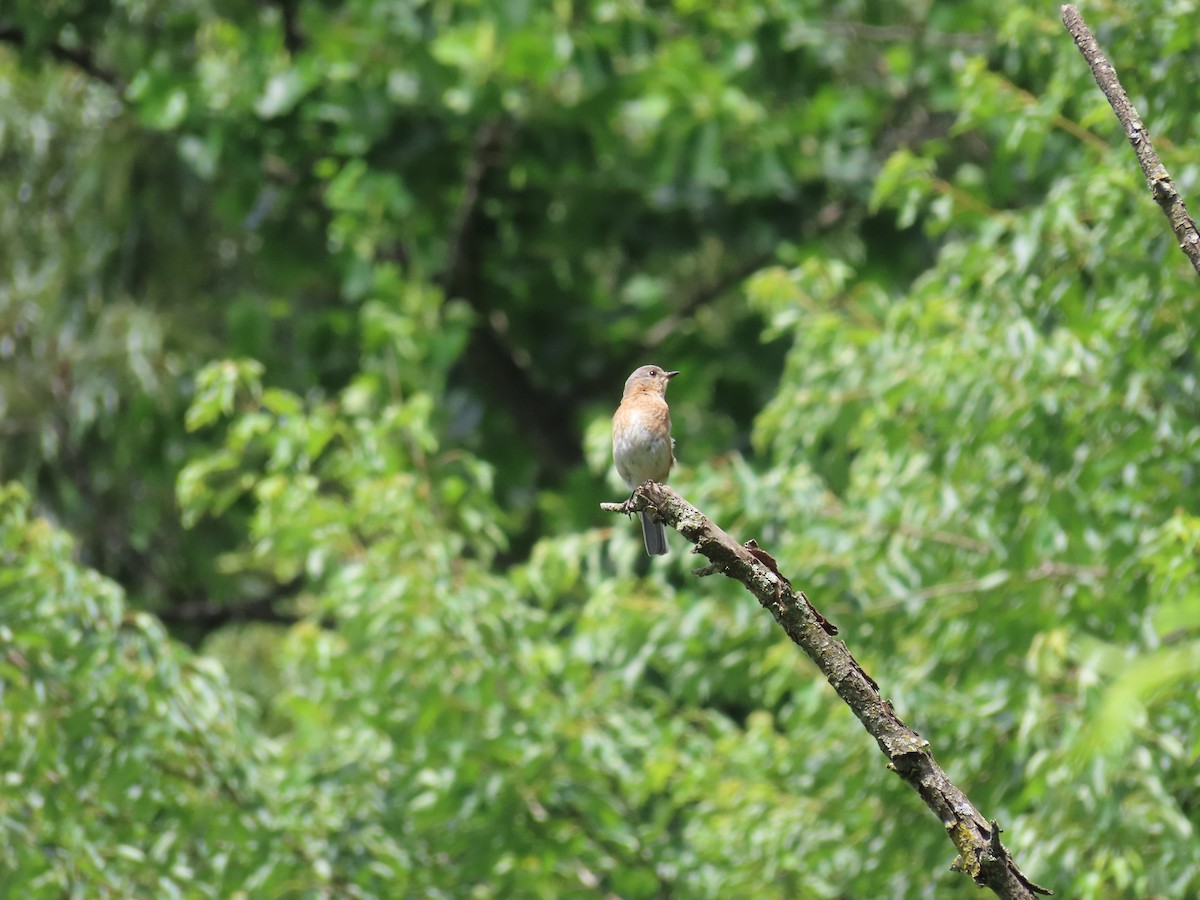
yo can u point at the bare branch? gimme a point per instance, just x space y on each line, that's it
980 853
1161 185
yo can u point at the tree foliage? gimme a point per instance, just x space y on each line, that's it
312 317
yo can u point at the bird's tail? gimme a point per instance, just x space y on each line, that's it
654 533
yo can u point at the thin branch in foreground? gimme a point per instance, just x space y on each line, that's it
1157 177
980 853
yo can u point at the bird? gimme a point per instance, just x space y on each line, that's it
643 449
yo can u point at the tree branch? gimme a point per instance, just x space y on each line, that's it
209 615
542 417
81 59
461 246
705 295
1161 185
980 853
293 37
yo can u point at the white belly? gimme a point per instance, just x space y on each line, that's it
640 454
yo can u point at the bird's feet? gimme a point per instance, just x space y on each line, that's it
629 507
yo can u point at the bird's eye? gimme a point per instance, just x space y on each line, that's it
653 373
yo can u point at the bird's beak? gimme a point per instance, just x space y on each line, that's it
670 375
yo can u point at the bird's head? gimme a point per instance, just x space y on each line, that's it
648 378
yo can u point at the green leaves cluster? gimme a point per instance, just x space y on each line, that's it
316 314
130 766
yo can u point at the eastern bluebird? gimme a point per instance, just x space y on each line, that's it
643 448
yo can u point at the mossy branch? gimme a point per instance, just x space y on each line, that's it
1161 186
980 853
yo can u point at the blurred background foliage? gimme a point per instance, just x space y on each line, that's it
312 317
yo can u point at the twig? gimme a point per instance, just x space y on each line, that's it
1157 177
1045 571
835 510
980 853
892 34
